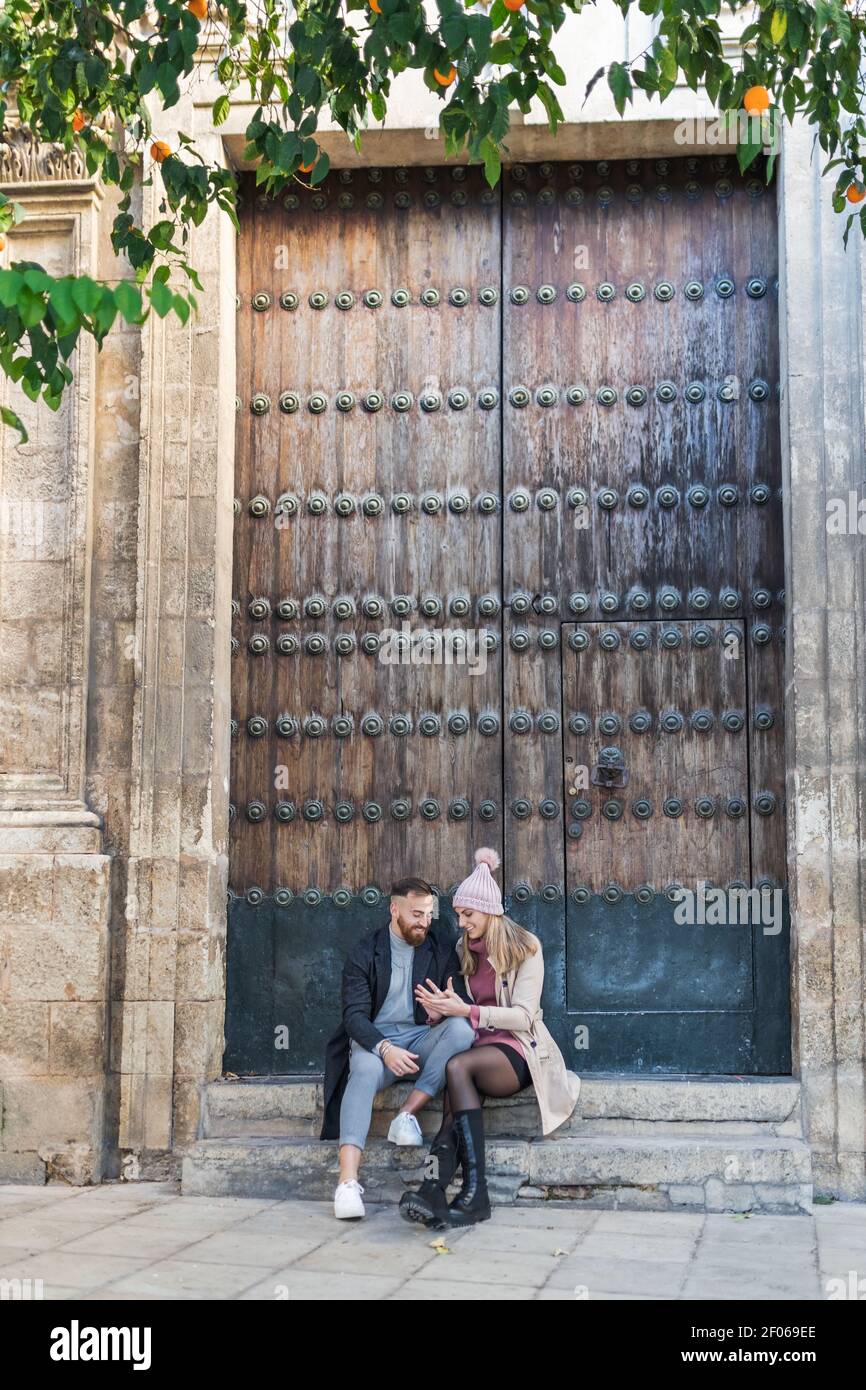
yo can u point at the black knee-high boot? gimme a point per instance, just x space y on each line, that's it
429 1205
472 1202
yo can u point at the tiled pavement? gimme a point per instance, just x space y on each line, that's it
144 1241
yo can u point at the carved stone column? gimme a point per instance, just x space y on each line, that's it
169 1025
54 877
822 298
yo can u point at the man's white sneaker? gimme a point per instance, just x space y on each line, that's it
347 1200
405 1129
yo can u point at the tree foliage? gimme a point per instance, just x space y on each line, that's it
100 74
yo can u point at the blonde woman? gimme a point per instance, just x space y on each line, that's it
503 967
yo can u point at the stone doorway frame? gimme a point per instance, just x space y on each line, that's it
172 1003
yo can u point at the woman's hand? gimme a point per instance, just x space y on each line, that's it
444 1003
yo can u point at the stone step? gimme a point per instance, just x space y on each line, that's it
664 1171
608 1105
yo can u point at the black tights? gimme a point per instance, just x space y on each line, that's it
472 1075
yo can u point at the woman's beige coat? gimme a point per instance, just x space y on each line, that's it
518 1010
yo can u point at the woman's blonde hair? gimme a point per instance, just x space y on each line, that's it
508 945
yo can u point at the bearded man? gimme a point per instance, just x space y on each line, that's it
386 1034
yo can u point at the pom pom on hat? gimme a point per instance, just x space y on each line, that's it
480 890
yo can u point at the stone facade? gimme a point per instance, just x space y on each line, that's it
115 587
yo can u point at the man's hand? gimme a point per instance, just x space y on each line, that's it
445 1002
399 1061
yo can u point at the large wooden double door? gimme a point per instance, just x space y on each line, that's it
508 571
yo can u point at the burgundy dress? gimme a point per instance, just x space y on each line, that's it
483 986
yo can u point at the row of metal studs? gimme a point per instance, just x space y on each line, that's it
548 639
373 725
547 499
459 605
521 808
574 196
459 297
519 397
458 173
370 896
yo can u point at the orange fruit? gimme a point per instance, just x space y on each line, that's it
375 7
159 151
2 243
514 5
445 78
198 8
305 168
756 101
79 120
855 194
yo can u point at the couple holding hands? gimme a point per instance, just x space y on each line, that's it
465 1017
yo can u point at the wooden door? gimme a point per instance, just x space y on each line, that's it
367 671
512 419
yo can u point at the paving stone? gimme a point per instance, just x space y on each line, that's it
760 1231
45 1192
651 1223
122 1239
186 1279
597 1274
531 1270
441 1291
350 1257
39 1233
548 1295
76 1270
256 1248
319 1287
207 1216
556 1216
527 1240
621 1245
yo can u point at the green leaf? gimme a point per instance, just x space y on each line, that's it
128 300
31 307
778 25
668 65
220 110
620 84
161 298
747 152
86 294
320 170
61 301
166 81
453 30
36 280
9 417
481 34
10 288
161 235
492 162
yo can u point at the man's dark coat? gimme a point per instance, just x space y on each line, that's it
366 978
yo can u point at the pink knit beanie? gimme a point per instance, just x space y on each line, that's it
480 890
